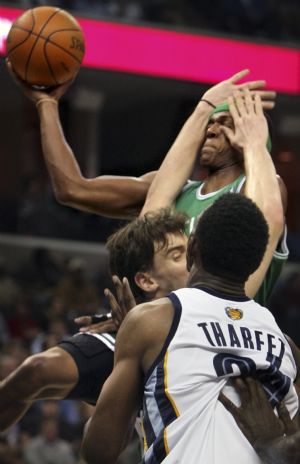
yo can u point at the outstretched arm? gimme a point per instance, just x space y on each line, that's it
113 196
262 186
179 161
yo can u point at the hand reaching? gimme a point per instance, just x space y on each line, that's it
94 324
255 416
120 306
221 92
250 124
36 95
123 302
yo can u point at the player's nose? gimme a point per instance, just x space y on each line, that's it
213 130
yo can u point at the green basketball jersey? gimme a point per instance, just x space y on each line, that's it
193 203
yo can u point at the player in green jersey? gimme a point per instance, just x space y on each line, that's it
233 165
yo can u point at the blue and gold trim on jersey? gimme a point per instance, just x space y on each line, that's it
168 411
159 407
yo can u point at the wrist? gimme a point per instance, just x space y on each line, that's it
206 102
254 145
46 101
204 108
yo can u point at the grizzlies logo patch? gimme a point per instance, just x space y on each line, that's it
234 313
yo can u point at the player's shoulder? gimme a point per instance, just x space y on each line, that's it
145 324
145 313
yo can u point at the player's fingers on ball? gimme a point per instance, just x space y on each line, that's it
11 70
14 75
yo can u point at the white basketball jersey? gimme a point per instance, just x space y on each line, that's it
212 338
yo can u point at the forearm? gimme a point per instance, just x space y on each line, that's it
263 188
61 164
100 444
283 450
179 161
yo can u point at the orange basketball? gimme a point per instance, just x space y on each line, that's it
45 46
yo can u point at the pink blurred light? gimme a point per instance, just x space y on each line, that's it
176 55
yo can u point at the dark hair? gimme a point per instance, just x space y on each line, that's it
131 249
231 237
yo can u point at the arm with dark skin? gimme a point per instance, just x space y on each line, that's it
275 439
138 343
113 196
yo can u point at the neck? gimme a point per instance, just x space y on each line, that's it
220 284
220 177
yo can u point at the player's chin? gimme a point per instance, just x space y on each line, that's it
206 158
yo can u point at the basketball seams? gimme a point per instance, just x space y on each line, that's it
38 36
24 30
23 41
41 63
48 62
47 39
62 48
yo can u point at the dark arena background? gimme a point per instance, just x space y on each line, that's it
147 63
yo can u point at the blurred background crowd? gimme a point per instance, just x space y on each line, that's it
255 18
40 294
38 303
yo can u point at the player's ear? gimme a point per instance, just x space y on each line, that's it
191 252
146 282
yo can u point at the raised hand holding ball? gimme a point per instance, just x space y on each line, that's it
45 46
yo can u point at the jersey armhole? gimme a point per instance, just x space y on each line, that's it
176 319
282 251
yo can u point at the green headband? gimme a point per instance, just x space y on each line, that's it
225 107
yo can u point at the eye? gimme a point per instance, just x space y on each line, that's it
177 256
228 123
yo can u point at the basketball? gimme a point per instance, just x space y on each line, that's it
45 46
